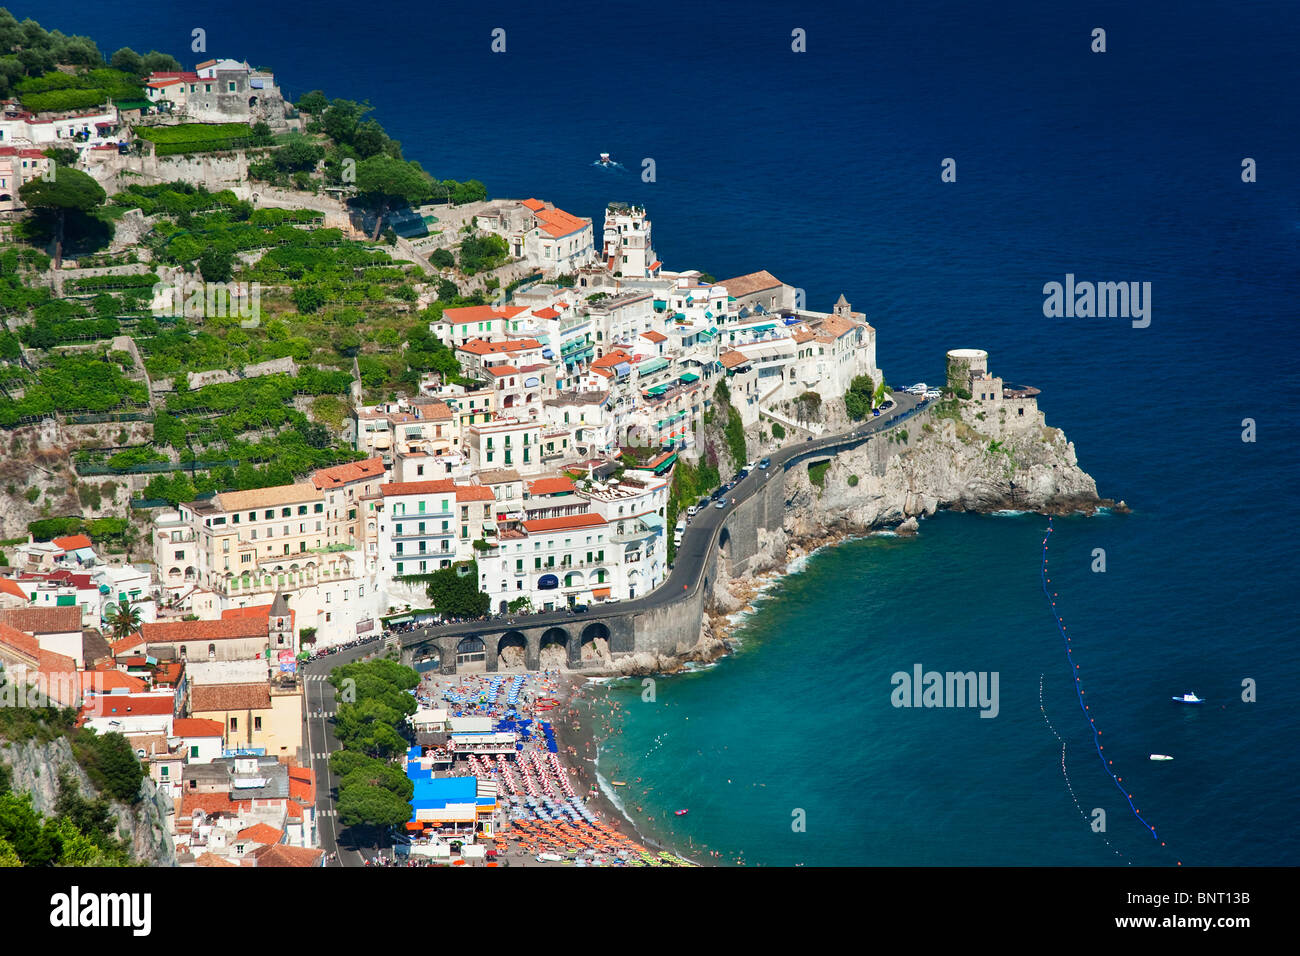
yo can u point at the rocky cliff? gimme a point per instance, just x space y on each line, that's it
144 825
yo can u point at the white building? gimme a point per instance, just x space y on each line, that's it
627 247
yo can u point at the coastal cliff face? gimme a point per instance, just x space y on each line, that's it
935 463
35 769
938 460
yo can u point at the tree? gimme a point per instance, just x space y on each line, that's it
298 153
71 192
365 805
123 619
128 61
442 259
313 102
857 400
454 591
383 180
216 265
155 62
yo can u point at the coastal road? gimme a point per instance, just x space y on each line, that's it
697 543
319 742
701 534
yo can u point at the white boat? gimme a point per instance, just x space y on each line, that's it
1188 699
1161 757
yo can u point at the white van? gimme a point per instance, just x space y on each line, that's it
678 532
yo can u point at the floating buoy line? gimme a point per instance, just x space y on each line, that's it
1066 773
1079 692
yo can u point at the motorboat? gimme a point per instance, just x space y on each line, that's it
1161 757
1188 699
680 813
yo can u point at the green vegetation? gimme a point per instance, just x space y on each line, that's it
778 430
690 484
374 703
56 90
454 591
69 200
483 253
853 481
817 473
858 399
76 383
735 432
200 137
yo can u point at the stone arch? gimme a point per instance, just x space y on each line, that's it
512 649
554 649
594 643
471 654
633 582
573 579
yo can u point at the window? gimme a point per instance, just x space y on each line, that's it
257 723
194 751
234 724
180 555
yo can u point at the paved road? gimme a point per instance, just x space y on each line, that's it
318 696
697 543
319 742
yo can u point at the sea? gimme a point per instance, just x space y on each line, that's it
825 167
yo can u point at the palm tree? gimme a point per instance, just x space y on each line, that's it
123 619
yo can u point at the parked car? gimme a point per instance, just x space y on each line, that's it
580 608
740 476
717 494
722 503
765 463
692 511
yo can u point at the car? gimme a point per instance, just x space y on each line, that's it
692 511
722 503
751 465
717 494
580 608
875 413
765 463
740 476
809 438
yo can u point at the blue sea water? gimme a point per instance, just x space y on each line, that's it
824 168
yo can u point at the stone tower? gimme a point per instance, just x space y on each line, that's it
280 633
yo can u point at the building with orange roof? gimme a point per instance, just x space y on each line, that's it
462 323
551 239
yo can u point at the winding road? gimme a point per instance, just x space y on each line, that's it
697 543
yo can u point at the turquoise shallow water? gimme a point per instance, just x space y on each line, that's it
800 719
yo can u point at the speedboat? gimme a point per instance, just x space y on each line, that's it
1188 699
681 813
1161 757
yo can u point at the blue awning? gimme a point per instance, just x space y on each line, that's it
547 353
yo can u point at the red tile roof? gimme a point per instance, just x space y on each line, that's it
43 620
474 493
733 359
109 679
547 313
197 727
72 542
565 523
533 204
479 313
256 610
281 855
441 487
302 784
752 282
211 698
500 371
611 358
226 629
556 222
10 586
654 336
131 705
481 347
344 474
262 833
208 858
550 486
